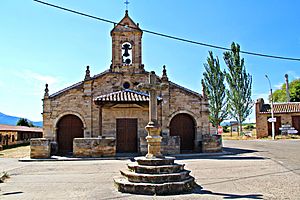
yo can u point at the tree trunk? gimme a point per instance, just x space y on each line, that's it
241 128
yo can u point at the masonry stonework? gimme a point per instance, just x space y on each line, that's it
285 114
99 118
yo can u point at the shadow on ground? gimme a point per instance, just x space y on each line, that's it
200 191
228 154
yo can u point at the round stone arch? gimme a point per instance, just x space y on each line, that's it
184 125
183 112
68 126
69 113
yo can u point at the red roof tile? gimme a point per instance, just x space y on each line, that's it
289 107
124 96
4 127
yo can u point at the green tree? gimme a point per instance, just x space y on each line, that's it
280 94
214 88
24 122
240 83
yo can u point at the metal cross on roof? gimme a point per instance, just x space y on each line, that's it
126 3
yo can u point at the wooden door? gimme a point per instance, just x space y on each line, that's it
296 123
69 127
127 135
183 125
277 126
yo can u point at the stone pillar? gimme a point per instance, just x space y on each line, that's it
153 128
165 95
47 123
87 97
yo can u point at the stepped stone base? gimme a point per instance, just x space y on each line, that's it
123 185
155 176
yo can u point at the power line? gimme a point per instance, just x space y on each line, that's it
169 36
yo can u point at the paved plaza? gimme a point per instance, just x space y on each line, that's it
256 169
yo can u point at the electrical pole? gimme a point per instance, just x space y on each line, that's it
272 110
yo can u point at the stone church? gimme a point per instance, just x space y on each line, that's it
109 105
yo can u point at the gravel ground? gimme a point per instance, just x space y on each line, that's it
18 152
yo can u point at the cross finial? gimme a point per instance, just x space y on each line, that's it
126 3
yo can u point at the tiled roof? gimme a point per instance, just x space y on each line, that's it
124 96
290 107
4 127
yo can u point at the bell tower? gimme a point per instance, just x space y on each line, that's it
127 46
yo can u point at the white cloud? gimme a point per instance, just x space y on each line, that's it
256 96
27 74
292 76
278 85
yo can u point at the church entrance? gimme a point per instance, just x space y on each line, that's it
183 125
127 135
68 128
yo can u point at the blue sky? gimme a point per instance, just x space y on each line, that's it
40 44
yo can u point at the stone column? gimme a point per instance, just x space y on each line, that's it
47 123
153 128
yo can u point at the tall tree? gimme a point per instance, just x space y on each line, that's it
214 88
240 83
24 122
294 87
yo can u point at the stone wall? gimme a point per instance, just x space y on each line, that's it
94 147
169 145
212 143
77 100
262 119
40 148
262 122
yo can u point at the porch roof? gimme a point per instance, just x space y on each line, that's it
126 95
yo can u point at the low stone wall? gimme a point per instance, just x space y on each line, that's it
212 143
40 148
94 147
169 145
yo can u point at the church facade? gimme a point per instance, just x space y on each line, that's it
109 104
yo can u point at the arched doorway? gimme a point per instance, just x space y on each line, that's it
68 128
183 125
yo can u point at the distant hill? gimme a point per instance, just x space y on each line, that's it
12 120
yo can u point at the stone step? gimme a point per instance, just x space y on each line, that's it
155 161
155 178
162 169
123 185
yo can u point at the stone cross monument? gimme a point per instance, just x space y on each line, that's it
153 128
154 173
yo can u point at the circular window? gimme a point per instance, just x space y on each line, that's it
126 85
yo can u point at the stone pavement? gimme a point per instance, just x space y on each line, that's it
248 174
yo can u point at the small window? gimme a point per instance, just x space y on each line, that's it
126 85
12 138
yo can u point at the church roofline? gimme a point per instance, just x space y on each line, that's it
185 89
76 85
